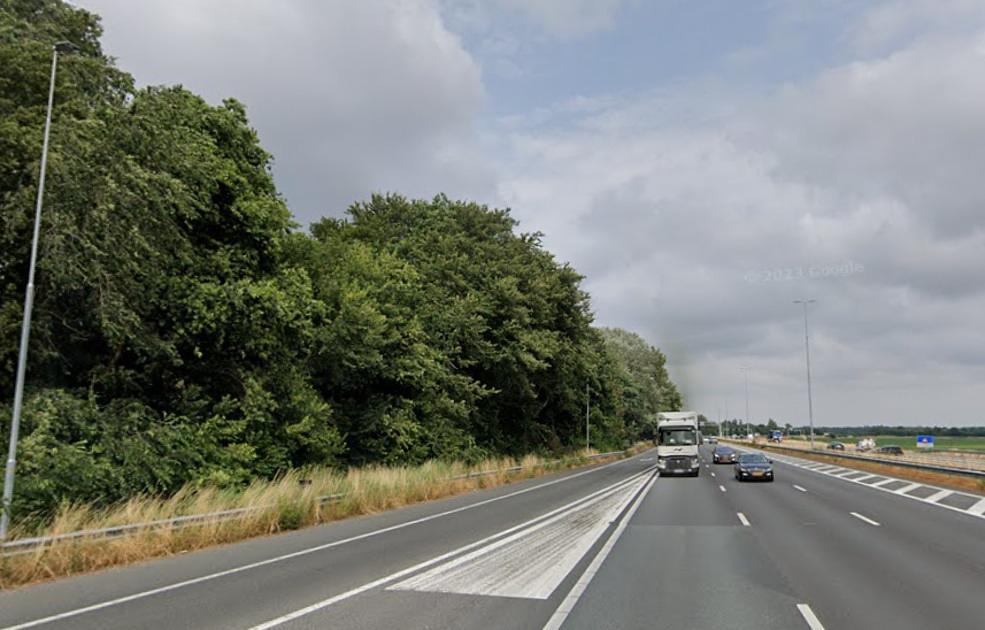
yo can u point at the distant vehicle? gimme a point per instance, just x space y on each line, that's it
865 444
776 436
890 449
712 439
724 454
836 446
677 443
753 466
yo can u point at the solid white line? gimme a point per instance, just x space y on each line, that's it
289 556
937 496
800 488
907 488
568 604
864 518
722 488
548 576
812 621
978 508
563 510
742 517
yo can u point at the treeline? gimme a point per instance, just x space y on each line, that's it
186 331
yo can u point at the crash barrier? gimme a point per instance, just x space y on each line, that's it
29 545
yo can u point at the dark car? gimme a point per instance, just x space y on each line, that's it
889 450
836 446
753 466
724 454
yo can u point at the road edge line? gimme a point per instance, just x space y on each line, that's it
295 554
568 603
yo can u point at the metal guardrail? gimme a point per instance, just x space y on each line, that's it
965 472
28 545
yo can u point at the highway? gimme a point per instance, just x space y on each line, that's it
610 546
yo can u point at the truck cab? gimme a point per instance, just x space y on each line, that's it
677 443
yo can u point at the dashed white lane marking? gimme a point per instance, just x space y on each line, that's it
562 612
862 517
906 488
937 496
712 474
802 489
742 518
977 508
812 621
722 488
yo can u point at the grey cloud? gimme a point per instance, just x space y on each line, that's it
875 164
567 19
350 97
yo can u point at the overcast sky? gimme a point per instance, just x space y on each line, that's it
702 163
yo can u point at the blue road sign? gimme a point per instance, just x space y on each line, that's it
925 441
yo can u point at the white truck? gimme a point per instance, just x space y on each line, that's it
677 443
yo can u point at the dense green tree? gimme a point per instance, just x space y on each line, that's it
185 331
645 383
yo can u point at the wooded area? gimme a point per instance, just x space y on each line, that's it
185 329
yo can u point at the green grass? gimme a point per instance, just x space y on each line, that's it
910 441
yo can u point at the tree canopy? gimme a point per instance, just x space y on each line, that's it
186 331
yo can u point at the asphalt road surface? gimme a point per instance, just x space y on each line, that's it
611 546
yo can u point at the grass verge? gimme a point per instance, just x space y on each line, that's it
289 502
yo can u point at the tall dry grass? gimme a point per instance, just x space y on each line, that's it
292 501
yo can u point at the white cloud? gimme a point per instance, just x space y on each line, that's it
876 163
350 97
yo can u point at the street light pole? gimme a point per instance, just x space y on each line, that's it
807 352
588 411
8 477
745 374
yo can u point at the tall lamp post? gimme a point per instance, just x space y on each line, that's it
807 352
745 374
588 413
8 477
